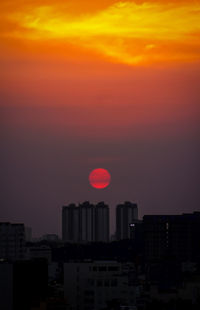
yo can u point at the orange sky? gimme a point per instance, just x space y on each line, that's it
129 32
137 60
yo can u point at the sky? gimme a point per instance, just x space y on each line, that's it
98 84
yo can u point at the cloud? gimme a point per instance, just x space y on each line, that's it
126 32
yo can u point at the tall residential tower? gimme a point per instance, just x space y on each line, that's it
85 222
126 214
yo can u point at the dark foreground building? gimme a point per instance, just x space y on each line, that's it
12 241
23 284
172 235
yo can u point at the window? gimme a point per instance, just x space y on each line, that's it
89 301
99 283
89 293
114 282
91 282
113 268
102 268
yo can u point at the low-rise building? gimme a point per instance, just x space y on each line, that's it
92 285
40 251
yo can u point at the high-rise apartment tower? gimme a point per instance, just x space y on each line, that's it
85 222
126 214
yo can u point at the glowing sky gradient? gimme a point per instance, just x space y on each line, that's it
127 32
86 84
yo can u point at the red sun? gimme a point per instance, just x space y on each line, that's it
99 178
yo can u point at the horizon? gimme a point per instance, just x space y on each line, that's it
112 231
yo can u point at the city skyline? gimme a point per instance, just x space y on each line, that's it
117 232
156 267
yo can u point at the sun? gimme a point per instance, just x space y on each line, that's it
99 178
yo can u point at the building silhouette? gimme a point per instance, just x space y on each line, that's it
12 241
23 284
85 223
92 284
101 222
126 214
70 223
174 235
